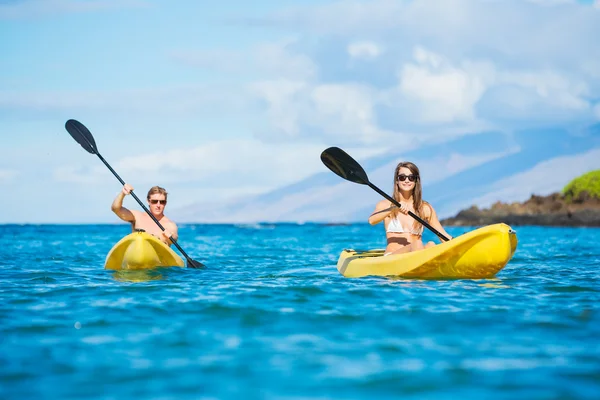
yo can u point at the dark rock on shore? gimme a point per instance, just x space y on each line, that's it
552 210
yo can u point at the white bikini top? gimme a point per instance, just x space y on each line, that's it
395 226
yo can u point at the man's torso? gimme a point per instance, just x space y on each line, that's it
143 221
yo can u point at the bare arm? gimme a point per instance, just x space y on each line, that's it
173 230
170 231
117 205
435 223
382 210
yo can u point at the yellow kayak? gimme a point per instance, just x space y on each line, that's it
477 254
140 250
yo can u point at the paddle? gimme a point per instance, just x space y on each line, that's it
338 161
84 137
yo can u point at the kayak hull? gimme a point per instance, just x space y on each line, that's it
140 250
478 254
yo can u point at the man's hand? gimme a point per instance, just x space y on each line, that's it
127 189
167 234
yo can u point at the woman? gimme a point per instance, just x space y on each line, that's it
403 232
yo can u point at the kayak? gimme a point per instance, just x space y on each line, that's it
140 250
478 254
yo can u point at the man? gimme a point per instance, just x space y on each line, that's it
157 201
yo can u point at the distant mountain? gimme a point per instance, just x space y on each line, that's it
473 169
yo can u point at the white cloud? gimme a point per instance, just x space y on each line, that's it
437 90
280 60
346 111
220 165
552 87
525 97
545 178
445 93
284 104
423 56
513 33
435 69
459 162
169 100
338 112
7 175
276 60
217 174
219 59
364 49
462 65
592 67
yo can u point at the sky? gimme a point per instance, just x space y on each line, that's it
226 101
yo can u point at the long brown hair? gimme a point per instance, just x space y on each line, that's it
417 193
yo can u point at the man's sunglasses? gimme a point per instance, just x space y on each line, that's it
410 177
152 201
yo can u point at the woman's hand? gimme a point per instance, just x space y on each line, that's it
403 209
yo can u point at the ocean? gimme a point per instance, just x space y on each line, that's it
271 318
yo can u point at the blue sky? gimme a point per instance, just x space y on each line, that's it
230 100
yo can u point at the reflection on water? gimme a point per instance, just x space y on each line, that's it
492 283
139 275
495 285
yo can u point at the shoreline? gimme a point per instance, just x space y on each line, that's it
552 210
449 222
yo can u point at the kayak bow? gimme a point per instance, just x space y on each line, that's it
140 250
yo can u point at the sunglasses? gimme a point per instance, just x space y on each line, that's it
152 201
410 177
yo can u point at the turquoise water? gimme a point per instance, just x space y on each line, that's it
271 318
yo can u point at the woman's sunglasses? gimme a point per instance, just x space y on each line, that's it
152 201
410 177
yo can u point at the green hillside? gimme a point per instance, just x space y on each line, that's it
589 183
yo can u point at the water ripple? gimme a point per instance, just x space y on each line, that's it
271 318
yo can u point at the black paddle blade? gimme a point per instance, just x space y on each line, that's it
343 165
82 135
195 264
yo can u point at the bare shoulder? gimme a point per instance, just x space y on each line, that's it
383 204
137 214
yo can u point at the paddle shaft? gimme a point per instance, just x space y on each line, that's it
415 216
190 261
